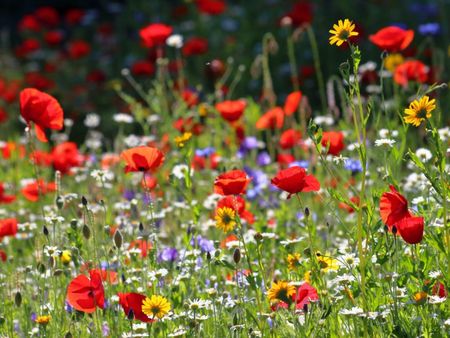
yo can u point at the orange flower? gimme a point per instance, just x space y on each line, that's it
273 119
142 159
292 102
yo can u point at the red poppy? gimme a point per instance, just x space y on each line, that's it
42 109
142 158
347 207
411 70
285 159
155 34
109 160
3 256
237 203
143 68
96 76
439 290
292 102
133 302
39 81
392 38
393 207
294 180
66 156
31 190
301 13
394 212
304 295
85 294
273 119
143 245
190 97
29 23
195 46
8 227
74 16
53 38
334 140
11 148
200 162
290 138
411 229
27 47
3 115
212 7
4 198
48 16
232 182
78 49
107 275
231 110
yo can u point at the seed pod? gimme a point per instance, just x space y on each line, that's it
118 239
73 224
258 236
208 256
307 212
40 267
59 202
84 201
58 272
86 231
18 299
237 255
394 230
141 227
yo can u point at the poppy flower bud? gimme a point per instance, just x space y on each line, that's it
237 255
307 212
59 202
208 256
86 231
18 299
394 230
258 237
73 224
130 314
84 201
45 231
141 227
305 308
118 239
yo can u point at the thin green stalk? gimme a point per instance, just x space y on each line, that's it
318 68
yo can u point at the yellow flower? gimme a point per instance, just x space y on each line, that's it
420 298
281 290
293 261
66 257
419 110
203 110
327 263
307 277
225 219
392 61
155 306
342 32
183 139
43 320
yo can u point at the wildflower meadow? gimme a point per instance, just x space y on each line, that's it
221 168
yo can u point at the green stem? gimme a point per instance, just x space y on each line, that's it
315 51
